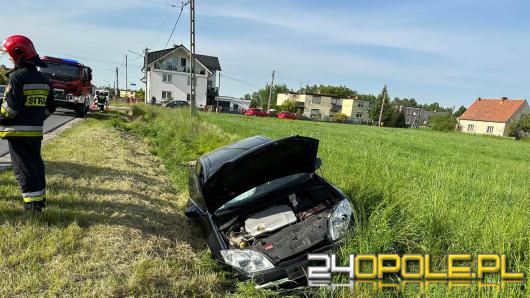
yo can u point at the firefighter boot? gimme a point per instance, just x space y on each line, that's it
35 206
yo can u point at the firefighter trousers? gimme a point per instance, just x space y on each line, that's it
28 167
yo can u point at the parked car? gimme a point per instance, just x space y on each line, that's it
263 207
2 91
176 104
287 115
256 112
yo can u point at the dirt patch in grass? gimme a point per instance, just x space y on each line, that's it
114 227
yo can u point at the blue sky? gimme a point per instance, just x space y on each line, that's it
447 51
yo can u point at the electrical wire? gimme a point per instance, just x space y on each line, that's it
165 19
182 4
239 81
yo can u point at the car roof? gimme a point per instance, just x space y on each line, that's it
212 161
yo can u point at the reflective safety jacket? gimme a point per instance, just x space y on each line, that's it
28 101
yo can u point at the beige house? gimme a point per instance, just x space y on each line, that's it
315 106
492 116
321 107
357 111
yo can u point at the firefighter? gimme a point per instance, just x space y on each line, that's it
28 101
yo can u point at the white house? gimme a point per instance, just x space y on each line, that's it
168 76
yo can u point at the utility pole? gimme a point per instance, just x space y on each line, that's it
117 91
270 92
193 90
218 88
146 95
381 112
126 79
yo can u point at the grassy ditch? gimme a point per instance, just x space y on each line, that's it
414 191
114 226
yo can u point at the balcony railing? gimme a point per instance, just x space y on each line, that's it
184 69
212 92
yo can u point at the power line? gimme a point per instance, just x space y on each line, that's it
156 2
162 24
240 81
182 4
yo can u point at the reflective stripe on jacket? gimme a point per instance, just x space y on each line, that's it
28 101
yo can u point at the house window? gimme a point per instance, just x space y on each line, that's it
315 113
470 127
315 100
360 104
169 64
195 80
167 78
489 129
166 94
359 115
183 62
407 121
335 101
210 83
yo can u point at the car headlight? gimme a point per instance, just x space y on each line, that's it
340 220
247 260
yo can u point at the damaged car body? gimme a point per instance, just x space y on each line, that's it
264 207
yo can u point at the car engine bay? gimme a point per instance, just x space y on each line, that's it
293 223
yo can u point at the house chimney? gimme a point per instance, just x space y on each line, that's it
504 98
479 99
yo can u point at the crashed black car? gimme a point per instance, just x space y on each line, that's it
264 207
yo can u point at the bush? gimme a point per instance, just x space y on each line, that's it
340 118
520 127
288 105
442 122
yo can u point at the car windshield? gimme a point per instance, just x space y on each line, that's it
62 69
264 188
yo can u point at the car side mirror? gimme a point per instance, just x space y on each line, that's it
318 163
193 212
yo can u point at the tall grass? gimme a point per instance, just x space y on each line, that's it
413 191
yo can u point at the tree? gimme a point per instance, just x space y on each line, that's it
388 110
405 102
519 127
3 77
398 119
289 106
445 122
260 98
339 91
460 111
140 93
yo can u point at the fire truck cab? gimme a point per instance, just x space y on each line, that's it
71 84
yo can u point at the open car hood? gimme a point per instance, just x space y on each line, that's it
266 162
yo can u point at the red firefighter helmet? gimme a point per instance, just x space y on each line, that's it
21 49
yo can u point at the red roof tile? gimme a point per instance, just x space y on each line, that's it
492 110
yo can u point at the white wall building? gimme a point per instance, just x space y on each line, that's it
168 76
232 104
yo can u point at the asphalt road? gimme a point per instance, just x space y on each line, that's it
60 117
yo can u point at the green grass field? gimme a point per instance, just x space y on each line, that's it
413 191
115 225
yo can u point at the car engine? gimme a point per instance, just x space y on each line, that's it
282 230
269 220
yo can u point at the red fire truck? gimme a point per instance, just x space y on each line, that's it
71 82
